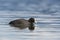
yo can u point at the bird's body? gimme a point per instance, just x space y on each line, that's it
22 24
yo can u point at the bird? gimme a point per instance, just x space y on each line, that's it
23 23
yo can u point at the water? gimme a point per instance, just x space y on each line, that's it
46 26
45 12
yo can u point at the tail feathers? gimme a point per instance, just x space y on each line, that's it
11 22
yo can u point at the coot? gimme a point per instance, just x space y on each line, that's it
22 23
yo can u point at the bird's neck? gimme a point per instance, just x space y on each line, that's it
32 24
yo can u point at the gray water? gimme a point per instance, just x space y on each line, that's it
45 12
46 26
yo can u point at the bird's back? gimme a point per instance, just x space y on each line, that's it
20 23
